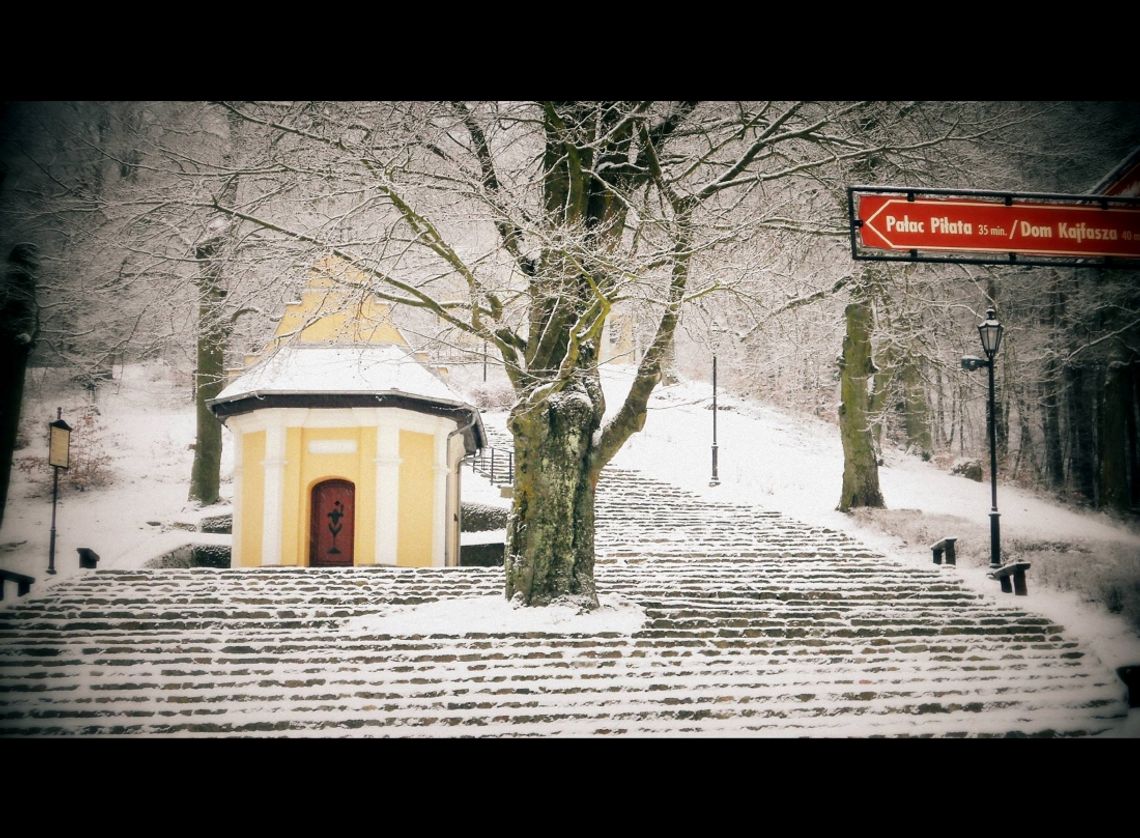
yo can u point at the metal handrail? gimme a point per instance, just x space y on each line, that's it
485 465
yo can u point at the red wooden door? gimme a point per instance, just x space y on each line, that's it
332 524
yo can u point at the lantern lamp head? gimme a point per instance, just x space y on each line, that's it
990 332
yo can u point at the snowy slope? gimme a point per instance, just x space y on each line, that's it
146 419
794 464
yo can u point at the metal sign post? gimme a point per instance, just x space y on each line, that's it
715 481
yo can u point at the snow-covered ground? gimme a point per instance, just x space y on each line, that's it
146 427
794 464
768 458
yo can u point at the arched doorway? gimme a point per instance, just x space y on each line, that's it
331 527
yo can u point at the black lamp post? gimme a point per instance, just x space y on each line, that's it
59 456
990 332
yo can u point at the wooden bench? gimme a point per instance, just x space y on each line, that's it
23 583
1017 571
945 545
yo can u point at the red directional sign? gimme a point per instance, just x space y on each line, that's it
977 225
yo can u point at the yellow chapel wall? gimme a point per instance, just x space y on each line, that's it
326 315
252 497
356 461
417 495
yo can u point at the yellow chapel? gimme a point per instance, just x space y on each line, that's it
347 448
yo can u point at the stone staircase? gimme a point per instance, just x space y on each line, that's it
755 625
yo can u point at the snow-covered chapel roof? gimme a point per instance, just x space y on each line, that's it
358 368
358 375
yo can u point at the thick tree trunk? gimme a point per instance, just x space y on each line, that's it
860 469
214 330
19 327
550 532
940 438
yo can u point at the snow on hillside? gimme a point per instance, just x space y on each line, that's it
794 464
145 425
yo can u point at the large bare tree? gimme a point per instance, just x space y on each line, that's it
524 224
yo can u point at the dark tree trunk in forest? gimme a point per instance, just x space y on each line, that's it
209 378
19 328
1027 455
1052 387
1001 418
941 439
860 469
1134 437
1082 431
916 420
1051 425
883 385
215 326
1114 444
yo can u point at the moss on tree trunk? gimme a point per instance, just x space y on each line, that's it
550 532
860 469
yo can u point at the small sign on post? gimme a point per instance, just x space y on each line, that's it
59 457
59 442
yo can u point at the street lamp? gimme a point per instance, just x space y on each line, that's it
990 332
59 456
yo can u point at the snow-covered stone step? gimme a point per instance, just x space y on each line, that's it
299 710
125 677
532 717
754 624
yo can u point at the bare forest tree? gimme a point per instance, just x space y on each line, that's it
1067 413
523 225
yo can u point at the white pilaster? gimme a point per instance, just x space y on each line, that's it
274 464
387 492
439 499
238 507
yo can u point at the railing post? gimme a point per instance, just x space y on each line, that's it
492 466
